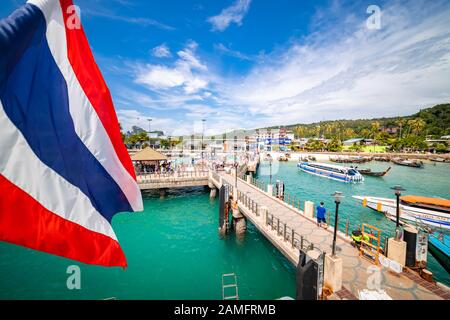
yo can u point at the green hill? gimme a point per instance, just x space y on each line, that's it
433 121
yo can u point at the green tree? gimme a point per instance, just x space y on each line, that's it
315 145
356 147
334 145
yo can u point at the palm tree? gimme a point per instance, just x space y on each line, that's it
416 125
374 129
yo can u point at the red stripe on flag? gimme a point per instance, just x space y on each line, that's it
24 221
93 84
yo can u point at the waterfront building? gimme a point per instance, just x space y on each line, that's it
367 142
273 139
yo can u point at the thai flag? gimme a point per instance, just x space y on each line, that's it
64 171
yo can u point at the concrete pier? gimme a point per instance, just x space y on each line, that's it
289 228
162 192
212 193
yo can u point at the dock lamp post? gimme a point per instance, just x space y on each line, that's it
398 192
337 200
235 162
149 121
203 133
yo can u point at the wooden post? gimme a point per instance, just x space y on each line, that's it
346 228
278 227
284 232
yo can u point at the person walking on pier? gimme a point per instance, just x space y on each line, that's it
321 211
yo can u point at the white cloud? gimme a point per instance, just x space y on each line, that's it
187 73
342 71
233 14
161 51
230 52
363 73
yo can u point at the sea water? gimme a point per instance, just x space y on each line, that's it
173 251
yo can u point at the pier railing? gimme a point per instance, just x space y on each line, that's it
296 202
282 228
157 177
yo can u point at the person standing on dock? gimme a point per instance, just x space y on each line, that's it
321 211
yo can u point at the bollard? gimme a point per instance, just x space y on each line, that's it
278 227
267 217
284 232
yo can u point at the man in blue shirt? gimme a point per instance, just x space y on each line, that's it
321 211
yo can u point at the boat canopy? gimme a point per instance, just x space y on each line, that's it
426 200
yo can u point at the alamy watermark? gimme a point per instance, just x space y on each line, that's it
373 22
74 280
74 17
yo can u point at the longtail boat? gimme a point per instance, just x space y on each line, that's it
369 172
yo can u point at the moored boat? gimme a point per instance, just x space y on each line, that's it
354 159
408 163
331 171
382 159
369 172
438 159
433 212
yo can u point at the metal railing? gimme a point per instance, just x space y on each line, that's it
295 239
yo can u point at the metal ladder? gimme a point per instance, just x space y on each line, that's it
226 285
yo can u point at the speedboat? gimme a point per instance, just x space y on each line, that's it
433 212
331 171
439 244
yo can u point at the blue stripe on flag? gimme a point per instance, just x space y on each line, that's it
34 96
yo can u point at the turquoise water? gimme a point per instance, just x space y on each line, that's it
173 252
432 181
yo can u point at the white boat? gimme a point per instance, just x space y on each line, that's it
433 212
331 171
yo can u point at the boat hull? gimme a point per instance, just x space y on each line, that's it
407 213
327 174
440 250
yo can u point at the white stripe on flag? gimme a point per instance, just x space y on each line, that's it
87 123
23 168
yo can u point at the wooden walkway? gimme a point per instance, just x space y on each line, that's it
289 229
179 179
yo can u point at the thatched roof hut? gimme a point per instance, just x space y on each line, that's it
148 154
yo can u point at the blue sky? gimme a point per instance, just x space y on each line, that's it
254 63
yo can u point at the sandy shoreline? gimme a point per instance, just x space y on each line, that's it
325 156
